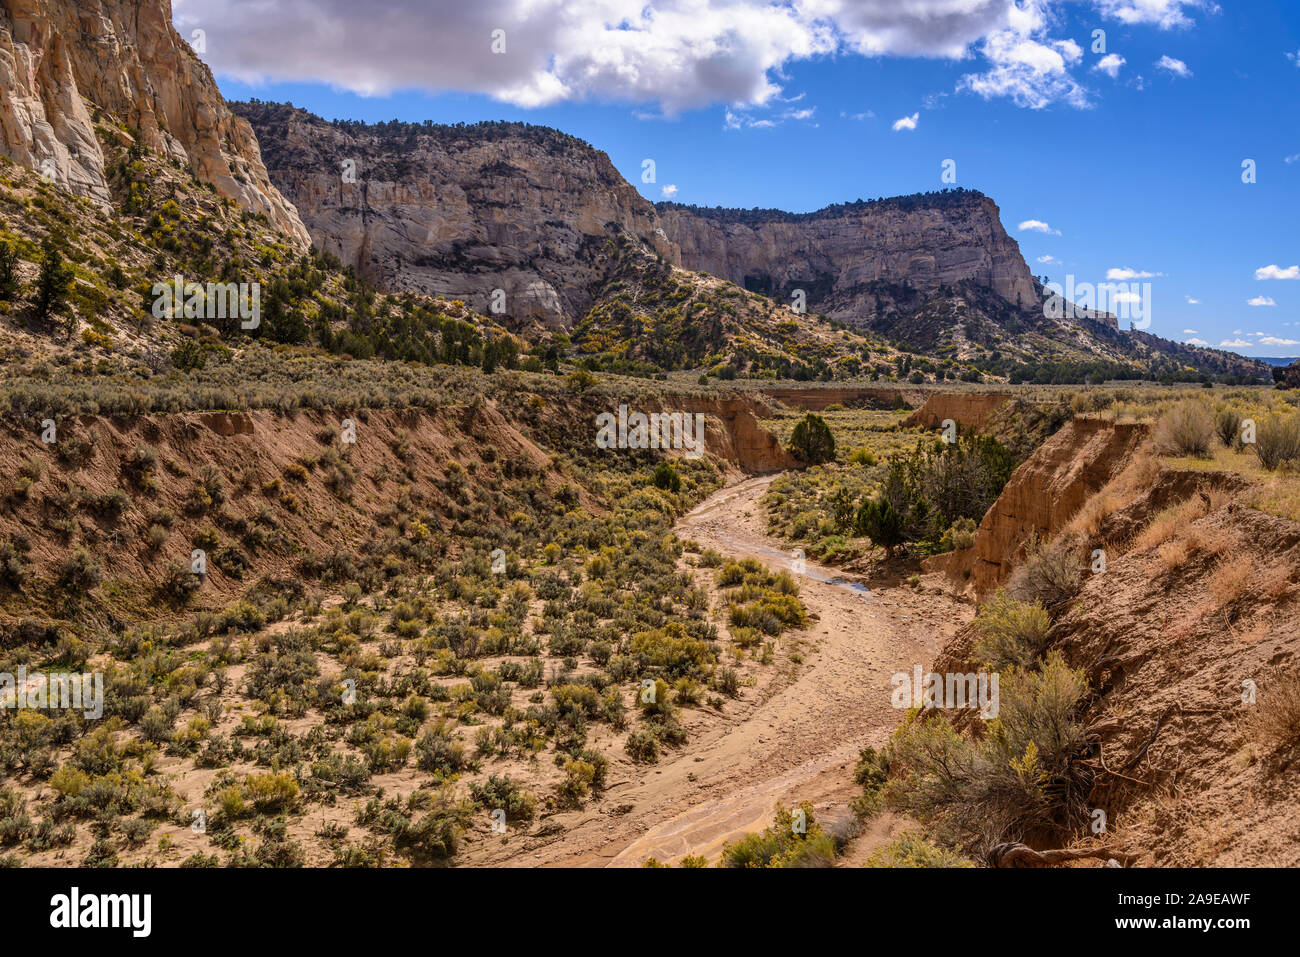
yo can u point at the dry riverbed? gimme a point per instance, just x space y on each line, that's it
793 738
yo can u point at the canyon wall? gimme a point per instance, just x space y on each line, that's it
459 211
970 410
1046 490
836 254
463 210
64 65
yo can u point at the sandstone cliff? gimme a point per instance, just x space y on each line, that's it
464 210
64 65
740 439
838 255
523 221
459 211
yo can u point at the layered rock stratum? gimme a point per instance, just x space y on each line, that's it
522 221
465 210
66 67
459 211
841 255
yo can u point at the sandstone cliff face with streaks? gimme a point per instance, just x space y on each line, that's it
970 410
840 255
459 211
66 67
737 436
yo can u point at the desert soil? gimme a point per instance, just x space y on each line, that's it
795 738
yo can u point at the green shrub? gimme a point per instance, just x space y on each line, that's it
1023 779
1049 574
878 521
1227 423
794 839
666 478
913 850
1188 428
499 792
271 792
960 535
79 572
1277 440
1012 633
812 440
642 746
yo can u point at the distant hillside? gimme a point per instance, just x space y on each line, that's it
516 220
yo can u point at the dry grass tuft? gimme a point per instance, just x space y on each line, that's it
1275 723
1173 554
1231 578
1186 429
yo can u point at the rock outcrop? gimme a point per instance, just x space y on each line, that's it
970 410
459 211
66 67
1046 490
741 439
462 211
523 222
839 255
818 399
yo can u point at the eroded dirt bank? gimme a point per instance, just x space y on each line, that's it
795 739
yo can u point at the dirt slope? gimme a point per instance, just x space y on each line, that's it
970 410
1189 640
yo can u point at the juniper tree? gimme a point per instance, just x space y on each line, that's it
8 273
53 285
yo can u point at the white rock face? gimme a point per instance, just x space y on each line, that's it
466 211
833 254
458 211
62 60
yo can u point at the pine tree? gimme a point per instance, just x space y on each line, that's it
878 520
53 285
812 441
8 273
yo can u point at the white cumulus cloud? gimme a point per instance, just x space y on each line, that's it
1162 13
1174 66
1038 226
1260 301
678 54
1276 272
1125 274
1110 64
906 122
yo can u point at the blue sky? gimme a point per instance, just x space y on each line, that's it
1139 171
